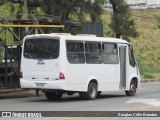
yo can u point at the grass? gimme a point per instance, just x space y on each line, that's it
147 45
148 75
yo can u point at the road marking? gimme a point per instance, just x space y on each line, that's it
153 102
146 109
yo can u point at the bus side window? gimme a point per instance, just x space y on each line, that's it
131 57
75 52
93 52
109 53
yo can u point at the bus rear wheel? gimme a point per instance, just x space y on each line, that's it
91 93
53 95
132 90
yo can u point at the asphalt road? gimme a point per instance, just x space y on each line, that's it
147 98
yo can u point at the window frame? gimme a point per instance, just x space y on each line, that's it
117 51
75 41
98 53
50 38
132 60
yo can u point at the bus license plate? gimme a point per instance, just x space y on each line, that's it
40 84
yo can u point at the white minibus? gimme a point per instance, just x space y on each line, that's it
88 65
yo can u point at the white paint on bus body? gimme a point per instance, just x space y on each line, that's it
55 71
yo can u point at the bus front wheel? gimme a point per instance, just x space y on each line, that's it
91 93
53 95
132 90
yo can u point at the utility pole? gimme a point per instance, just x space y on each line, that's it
25 9
25 13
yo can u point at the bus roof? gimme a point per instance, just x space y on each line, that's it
80 37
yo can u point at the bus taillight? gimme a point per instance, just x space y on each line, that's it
61 75
21 74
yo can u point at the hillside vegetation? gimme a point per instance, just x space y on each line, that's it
147 45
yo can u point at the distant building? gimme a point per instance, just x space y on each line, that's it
138 4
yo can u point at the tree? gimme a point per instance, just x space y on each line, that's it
121 24
8 9
64 8
67 7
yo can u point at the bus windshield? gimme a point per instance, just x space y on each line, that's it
41 48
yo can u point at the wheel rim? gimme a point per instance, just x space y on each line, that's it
132 88
92 91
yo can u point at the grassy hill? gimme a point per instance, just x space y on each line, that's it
147 45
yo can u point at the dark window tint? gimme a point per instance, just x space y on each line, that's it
93 53
75 52
41 48
131 57
110 53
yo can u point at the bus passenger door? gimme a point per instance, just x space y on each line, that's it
122 58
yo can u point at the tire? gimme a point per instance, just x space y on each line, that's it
132 90
91 93
53 96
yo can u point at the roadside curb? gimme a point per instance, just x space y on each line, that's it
19 94
150 80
